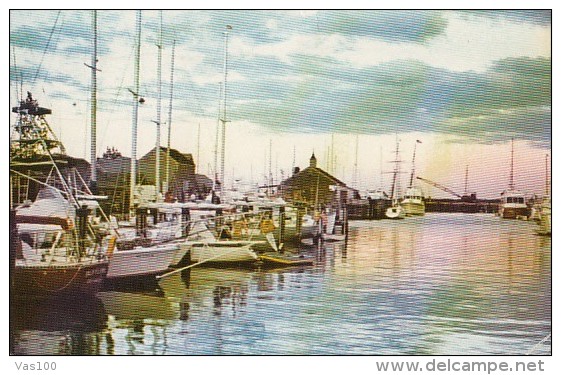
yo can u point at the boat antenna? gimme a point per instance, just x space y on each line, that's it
135 110
169 113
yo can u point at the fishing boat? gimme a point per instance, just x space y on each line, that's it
395 211
513 202
513 205
413 201
54 257
59 250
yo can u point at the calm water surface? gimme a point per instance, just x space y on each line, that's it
439 284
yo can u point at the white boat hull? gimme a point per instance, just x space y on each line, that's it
222 251
395 212
514 211
143 261
545 219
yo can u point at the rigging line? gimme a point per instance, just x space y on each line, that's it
46 47
113 102
539 343
19 95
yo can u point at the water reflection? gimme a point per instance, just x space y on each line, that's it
439 284
46 327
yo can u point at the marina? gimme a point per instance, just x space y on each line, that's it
337 246
443 283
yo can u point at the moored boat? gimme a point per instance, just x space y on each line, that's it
59 250
54 257
413 202
513 202
395 211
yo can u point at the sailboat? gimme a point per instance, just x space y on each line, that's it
413 202
395 211
513 202
152 245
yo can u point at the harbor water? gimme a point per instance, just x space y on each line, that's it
439 284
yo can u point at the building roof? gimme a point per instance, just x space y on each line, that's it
114 165
174 154
313 171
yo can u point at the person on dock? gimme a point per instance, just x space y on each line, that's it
267 227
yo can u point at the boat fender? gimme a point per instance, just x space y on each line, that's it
267 226
111 246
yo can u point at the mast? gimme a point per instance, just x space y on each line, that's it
159 110
169 113
511 181
381 169
466 181
293 160
355 171
413 164
135 110
93 135
270 182
217 134
224 115
198 144
395 180
547 174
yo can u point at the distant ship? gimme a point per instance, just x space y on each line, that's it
413 201
513 202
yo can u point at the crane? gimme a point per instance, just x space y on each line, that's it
466 198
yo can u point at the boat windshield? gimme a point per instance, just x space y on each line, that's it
515 200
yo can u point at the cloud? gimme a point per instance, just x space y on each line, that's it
417 26
540 17
484 75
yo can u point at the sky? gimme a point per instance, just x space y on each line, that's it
344 85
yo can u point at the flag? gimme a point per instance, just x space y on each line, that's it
419 141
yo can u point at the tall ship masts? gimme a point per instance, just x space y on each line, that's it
135 94
224 118
159 112
169 113
93 129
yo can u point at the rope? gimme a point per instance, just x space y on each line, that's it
63 287
538 344
46 47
